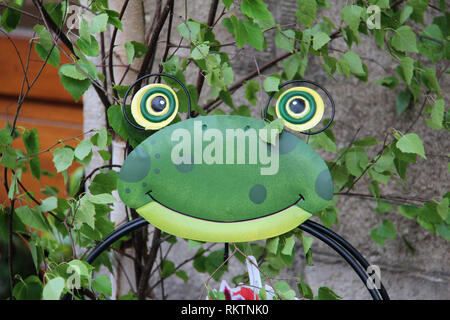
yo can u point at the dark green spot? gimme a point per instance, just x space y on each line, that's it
157 155
185 167
288 142
324 185
136 166
258 193
156 170
127 190
144 184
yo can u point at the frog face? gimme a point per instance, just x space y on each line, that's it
221 198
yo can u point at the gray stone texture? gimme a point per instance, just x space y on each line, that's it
426 275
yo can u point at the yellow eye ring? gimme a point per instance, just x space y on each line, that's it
143 113
308 118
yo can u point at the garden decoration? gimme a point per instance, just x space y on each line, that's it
246 292
228 178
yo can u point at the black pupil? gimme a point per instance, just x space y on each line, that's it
158 104
297 105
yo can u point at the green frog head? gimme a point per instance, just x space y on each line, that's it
221 178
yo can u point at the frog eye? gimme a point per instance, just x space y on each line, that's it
301 108
154 106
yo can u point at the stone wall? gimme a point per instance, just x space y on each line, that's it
426 275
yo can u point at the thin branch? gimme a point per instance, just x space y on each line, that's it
111 48
210 105
211 16
143 281
148 58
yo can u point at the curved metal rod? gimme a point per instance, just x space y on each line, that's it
330 98
347 246
307 226
344 254
149 76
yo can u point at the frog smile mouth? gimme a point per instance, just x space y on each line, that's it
299 199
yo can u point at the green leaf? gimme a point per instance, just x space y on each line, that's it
411 143
53 289
227 3
167 268
190 30
31 142
354 63
88 45
277 124
10 18
419 6
383 232
104 183
256 9
255 36
325 293
306 12
44 47
135 50
86 212
389 82
356 161
352 16
100 139
272 83
437 115
102 284
28 289
182 275
113 19
407 66
272 245
304 289
405 14
200 51
32 218
288 246
237 28
285 40
307 242
103 198
320 39
76 88
404 39
62 158
98 23
366 142
403 101
430 80
49 204
409 212
83 149
251 91
284 290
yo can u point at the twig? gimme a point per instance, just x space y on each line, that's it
210 22
148 58
143 281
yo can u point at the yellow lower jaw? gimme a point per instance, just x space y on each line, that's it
242 231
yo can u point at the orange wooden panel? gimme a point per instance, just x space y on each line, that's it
48 85
46 112
50 132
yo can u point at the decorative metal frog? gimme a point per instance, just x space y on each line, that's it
244 184
214 178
